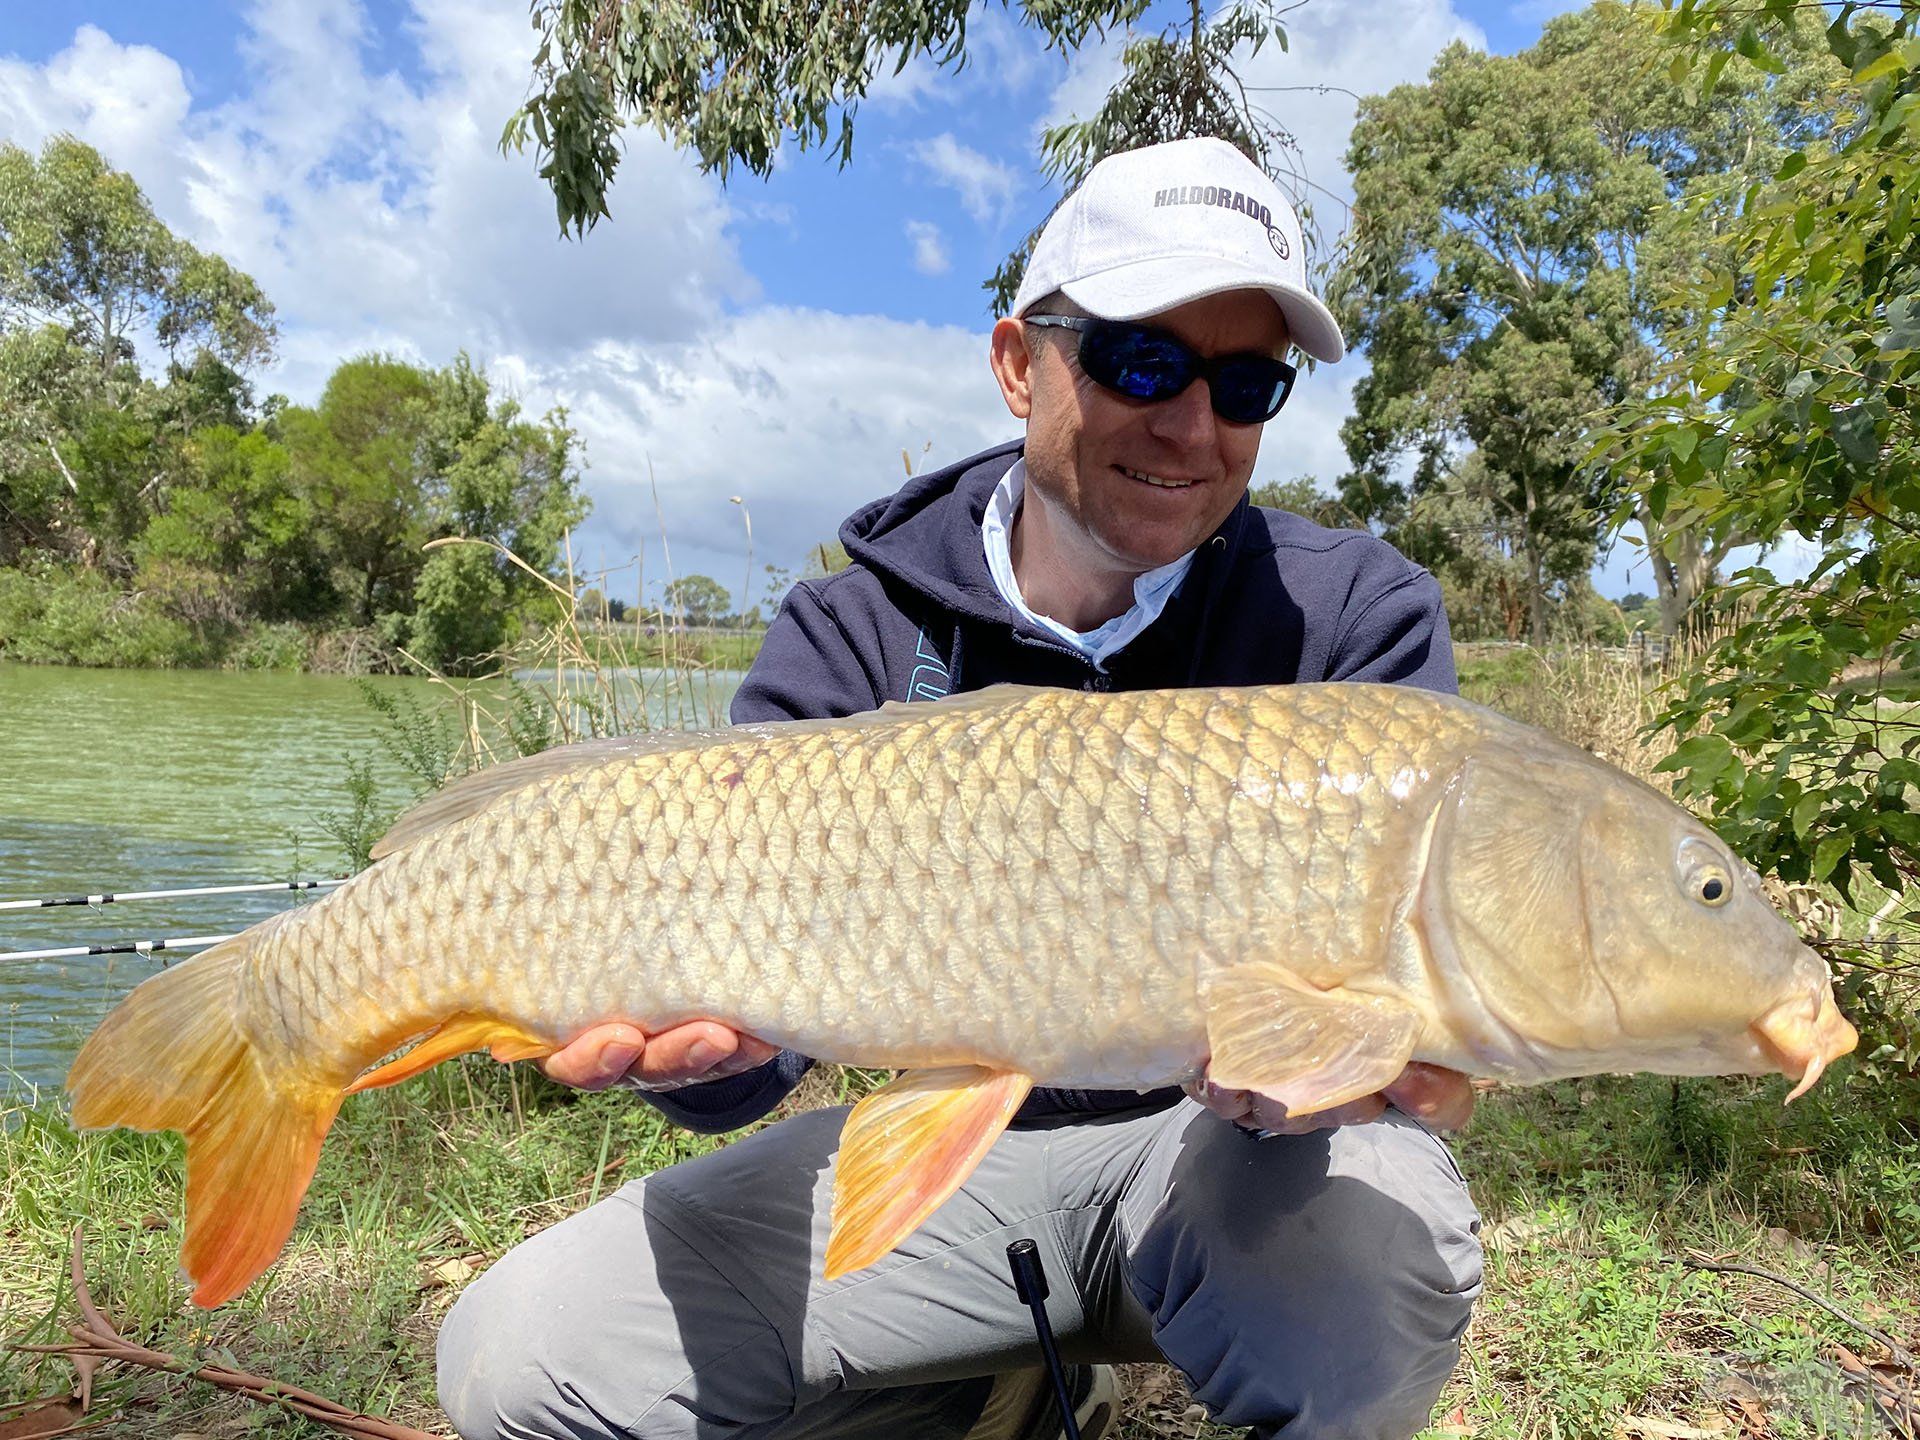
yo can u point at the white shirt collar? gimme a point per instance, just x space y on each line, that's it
1151 591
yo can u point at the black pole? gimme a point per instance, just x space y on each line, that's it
1030 1284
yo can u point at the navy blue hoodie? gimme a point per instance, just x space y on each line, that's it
1270 599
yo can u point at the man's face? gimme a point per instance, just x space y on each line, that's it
1088 448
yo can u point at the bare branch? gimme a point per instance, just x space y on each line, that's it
97 1341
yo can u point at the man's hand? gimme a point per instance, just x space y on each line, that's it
1441 1098
699 1050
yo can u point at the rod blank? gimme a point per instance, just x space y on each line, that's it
112 899
120 947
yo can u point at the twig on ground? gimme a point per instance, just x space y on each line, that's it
97 1341
1693 1260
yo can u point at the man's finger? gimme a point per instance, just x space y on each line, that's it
1227 1104
1442 1098
699 1050
598 1058
753 1052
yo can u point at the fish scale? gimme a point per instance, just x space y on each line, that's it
1297 889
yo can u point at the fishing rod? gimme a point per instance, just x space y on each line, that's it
1030 1285
108 898
120 947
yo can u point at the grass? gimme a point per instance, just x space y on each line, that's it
418 1189
1592 1193
665 647
1596 1194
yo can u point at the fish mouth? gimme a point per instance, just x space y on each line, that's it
1802 1036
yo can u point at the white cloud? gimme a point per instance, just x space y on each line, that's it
919 79
1000 47
802 413
375 213
1002 54
929 254
985 186
1333 55
378 214
133 98
1092 70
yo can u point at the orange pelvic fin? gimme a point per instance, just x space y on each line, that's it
1310 1049
173 1056
456 1036
906 1148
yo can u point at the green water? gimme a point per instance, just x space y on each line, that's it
118 780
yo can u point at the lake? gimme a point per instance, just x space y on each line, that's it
119 780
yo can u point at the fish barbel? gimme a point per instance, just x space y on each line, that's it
1294 889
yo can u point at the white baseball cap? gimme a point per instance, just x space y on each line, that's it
1156 227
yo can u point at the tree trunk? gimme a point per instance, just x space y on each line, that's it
1536 583
1513 610
1682 569
1536 596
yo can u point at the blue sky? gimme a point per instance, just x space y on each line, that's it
781 342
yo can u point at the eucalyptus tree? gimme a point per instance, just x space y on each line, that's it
81 249
493 475
1513 217
731 80
88 272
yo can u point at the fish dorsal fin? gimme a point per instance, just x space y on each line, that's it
989 701
1310 1049
468 796
906 1148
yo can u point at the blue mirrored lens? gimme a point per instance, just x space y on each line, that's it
1137 363
1248 392
1149 365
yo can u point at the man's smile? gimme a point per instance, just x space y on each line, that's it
1155 480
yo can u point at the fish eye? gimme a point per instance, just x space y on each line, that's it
1704 874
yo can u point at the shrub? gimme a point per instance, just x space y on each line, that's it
285 646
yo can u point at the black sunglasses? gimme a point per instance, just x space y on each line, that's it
1148 364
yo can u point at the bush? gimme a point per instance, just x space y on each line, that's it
271 647
76 617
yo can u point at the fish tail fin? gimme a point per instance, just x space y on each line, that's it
174 1056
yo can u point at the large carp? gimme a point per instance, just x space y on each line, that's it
1298 889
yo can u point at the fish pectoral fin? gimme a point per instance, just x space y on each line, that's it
456 1036
906 1148
1272 1032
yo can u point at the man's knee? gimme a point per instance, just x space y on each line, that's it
1313 1285
577 1335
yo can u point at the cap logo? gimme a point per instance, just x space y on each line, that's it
1222 198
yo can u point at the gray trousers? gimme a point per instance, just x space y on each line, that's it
1307 1286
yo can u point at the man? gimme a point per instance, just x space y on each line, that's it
1310 1276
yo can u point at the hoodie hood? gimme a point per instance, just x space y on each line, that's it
926 535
